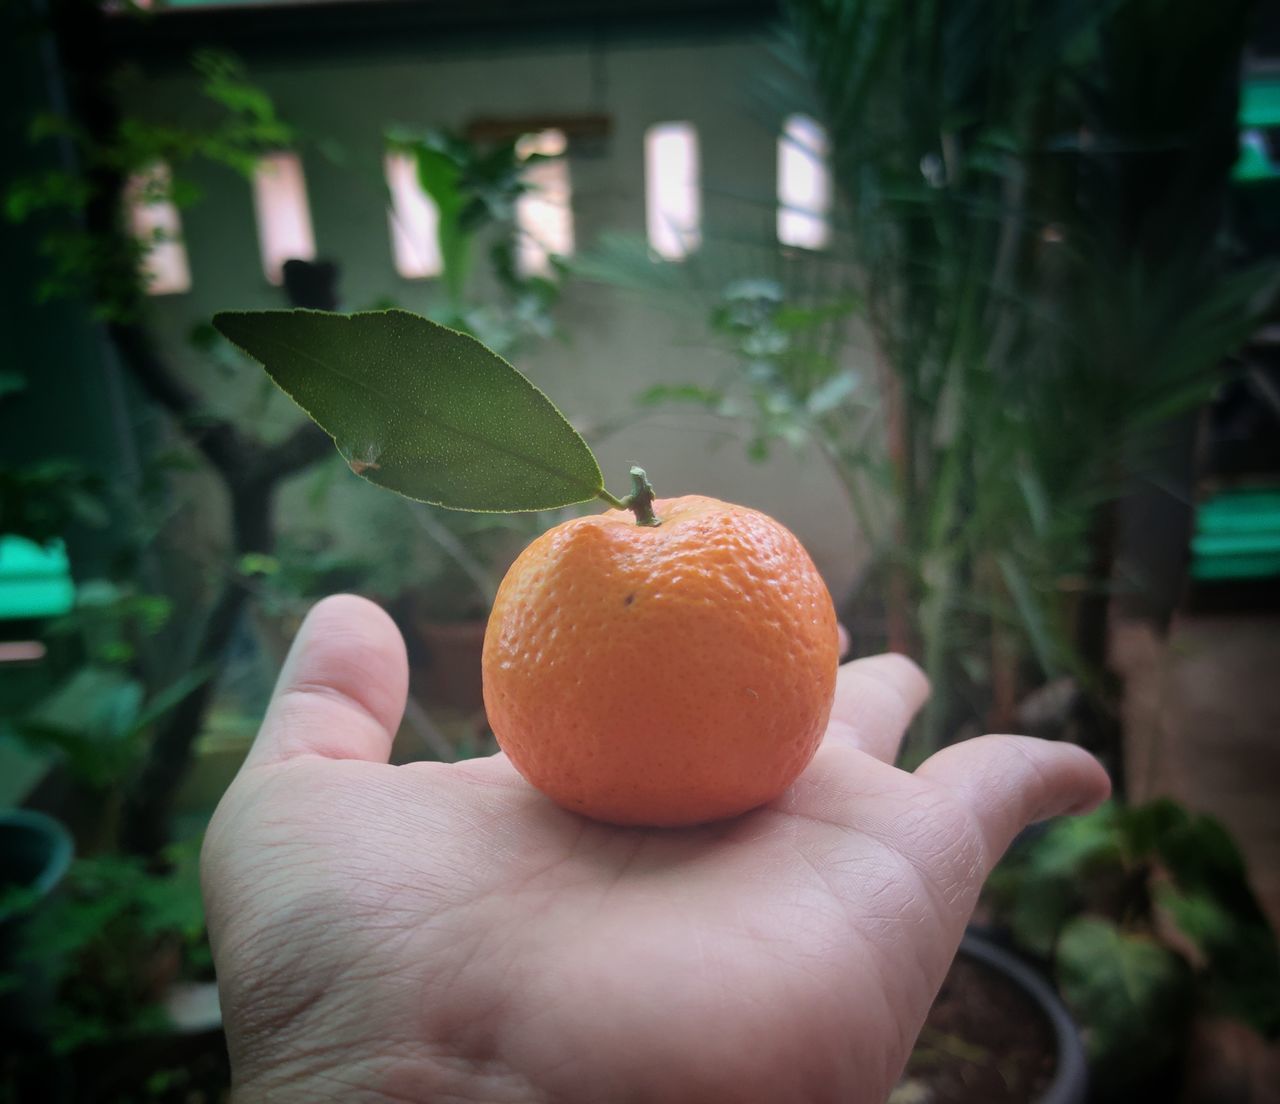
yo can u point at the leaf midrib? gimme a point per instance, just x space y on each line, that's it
430 419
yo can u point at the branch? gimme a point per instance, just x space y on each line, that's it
226 448
418 719
302 448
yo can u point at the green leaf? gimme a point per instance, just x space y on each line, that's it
1043 883
830 394
661 393
441 178
258 563
791 318
1198 916
1132 995
173 695
1033 494
421 409
1037 914
91 719
1201 856
1030 611
100 702
1078 846
1213 904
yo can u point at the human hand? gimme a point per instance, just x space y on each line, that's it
442 932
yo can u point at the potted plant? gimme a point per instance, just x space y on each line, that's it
127 972
438 570
1145 917
35 852
446 610
1026 323
996 1034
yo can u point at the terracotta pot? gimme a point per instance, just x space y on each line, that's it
445 668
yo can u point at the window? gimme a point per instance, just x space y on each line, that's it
154 220
673 207
544 214
804 184
284 217
413 218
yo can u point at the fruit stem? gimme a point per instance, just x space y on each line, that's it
639 501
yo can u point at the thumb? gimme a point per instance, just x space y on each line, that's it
1008 782
342 690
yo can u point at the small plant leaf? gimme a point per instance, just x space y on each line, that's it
831 393
661 393
441 178
1132 994
1046 881
421 409
1030 611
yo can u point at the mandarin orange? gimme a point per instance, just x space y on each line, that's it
662 676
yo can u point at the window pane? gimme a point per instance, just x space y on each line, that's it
544 214
155 221
673 206
804 184
413 219
284 217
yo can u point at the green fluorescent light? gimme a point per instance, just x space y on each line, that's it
1260 102
34 581
1237 536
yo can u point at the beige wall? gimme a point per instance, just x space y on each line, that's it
618 345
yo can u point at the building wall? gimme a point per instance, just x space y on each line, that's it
618 345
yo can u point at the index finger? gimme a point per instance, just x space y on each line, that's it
876 699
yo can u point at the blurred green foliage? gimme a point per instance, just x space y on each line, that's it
79 258
1147 916
117 933
475 187
98 713
1029 276
41 500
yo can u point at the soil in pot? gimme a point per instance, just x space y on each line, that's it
985 1042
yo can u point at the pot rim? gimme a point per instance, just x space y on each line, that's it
61 846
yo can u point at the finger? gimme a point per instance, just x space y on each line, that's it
342 690
1008 782
876 698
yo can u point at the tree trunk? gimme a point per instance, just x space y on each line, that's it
148 806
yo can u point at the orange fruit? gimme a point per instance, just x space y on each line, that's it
662 676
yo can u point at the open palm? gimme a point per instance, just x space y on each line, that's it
434 932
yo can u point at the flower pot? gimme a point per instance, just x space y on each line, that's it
445 670
35 852
995 1014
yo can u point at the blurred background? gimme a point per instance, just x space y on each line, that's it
979 298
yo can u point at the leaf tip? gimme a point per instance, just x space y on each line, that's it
225 322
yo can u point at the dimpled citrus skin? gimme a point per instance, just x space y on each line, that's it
662 676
